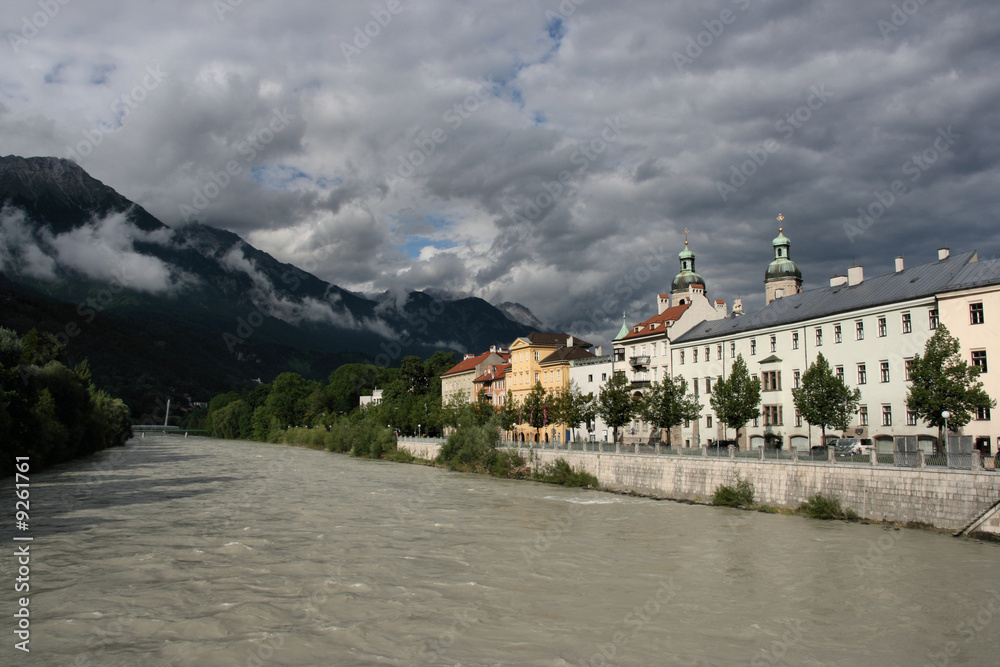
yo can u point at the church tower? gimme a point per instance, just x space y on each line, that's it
680 287
783 276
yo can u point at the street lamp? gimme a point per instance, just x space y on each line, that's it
945 414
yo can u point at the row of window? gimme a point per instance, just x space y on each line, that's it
773 415
838 334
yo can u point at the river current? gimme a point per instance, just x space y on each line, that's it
194 551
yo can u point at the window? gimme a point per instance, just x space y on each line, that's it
708 353
654 350
881 327
883 371
536 377
838 334
861 329
708 387
819 336
772 415
886 415
694 385
796 379
718 352
732 350
932 318
979 360
708 421
907 323
604 377
774 343
590 378
862 374
754 378
694 356
983 414
863 415
795 340
536 355
772 380
682 356
655 373
839 371
907 367
911 417
798 418
756 421
753 346
976 312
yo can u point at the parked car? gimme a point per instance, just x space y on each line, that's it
852 446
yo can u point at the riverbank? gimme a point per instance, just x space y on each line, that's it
940 498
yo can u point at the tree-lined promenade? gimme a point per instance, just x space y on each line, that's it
411 402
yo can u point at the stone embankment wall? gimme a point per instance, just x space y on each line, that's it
943 498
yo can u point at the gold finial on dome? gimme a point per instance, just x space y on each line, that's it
685 236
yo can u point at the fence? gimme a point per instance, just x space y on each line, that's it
902 456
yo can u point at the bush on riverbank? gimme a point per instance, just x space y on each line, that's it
360 437
560 472
472 447
741 495
819 506
49 412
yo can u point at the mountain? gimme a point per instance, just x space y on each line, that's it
79 259
520 314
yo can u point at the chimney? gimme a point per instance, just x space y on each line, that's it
855 275
598 351
720 307
943 253
838 280
467 356
899 264
493 349
569 341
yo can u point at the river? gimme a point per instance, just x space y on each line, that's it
193 551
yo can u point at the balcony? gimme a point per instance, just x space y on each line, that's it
640 384
639 362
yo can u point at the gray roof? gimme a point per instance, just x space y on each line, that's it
955 272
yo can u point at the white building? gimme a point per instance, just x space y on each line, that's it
868 329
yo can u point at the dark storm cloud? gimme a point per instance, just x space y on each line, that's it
489 123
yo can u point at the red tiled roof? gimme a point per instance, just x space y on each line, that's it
661 321
470 364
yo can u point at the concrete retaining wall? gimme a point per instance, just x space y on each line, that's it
943 498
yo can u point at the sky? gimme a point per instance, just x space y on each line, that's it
545 152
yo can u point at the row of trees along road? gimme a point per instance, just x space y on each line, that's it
939 380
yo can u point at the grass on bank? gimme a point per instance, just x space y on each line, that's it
471 448
817 506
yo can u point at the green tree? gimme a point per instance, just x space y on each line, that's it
823 399
535 408
942 380
615 405
507 414
573 407
736 400
667 404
